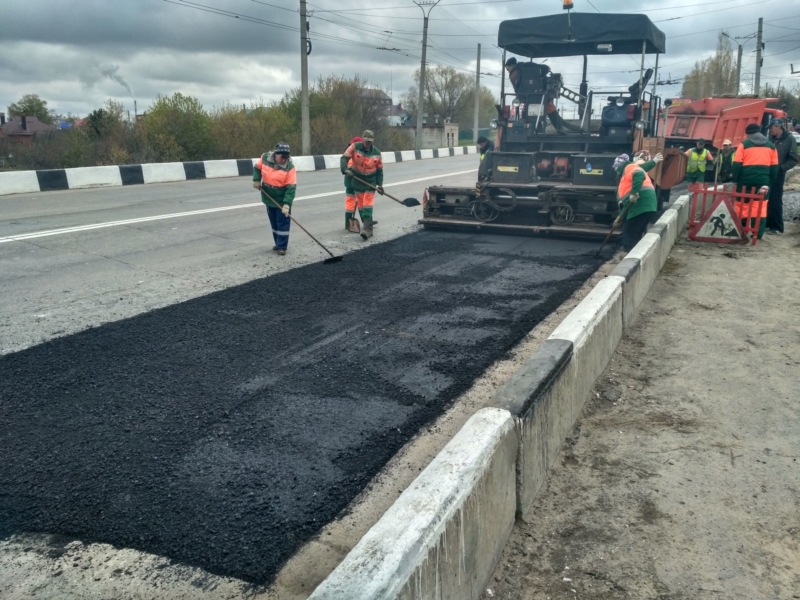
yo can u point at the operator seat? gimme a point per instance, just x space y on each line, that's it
618 113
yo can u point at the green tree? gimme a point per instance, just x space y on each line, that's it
31 105
180 127
788 98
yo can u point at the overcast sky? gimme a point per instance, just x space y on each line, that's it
75 55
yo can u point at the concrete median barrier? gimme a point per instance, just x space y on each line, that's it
19 182
163 172
537 394
87 177
445 533
594 327
304 163
682 205
215 169
401 556
648 255
25 182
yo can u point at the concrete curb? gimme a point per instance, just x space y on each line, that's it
401 556
443 536
24 182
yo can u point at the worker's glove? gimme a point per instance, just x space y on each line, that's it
379 189
257 185
348 173
764 189
658 158
285 210
634 198
617 222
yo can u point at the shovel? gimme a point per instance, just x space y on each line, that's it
620 217
407 202
353 224
327 261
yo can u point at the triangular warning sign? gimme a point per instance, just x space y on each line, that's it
720 224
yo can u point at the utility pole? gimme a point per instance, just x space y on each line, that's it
477 96
430 4
304 114
739 70
759 60
738 63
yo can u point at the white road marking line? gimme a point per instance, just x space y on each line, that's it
38 234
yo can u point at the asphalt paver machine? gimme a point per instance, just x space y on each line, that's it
547 175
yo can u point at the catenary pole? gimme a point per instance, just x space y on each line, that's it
477 96
757 89
429 4
304 112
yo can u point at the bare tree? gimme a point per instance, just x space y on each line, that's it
447 93
713 76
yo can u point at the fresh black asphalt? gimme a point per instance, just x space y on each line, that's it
225 431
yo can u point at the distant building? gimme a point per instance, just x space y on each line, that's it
399 116
21 129
377 97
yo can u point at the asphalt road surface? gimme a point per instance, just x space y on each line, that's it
224 431
79 258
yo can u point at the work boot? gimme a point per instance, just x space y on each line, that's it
366 229
281 251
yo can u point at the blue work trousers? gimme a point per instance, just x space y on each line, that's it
280 227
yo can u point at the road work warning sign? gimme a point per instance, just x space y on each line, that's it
719 224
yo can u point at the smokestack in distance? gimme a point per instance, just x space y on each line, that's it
24 123
2 118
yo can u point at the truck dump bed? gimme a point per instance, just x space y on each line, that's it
715 119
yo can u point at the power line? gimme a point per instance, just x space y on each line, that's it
711 11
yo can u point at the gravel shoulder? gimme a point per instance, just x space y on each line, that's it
681 479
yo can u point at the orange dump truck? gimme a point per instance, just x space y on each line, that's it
711 119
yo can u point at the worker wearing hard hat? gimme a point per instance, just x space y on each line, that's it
724 162
637 197
698 157
755 168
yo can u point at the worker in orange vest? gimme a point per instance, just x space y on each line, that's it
349 192
637 196
275 175
755 167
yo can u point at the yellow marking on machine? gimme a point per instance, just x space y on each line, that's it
508 169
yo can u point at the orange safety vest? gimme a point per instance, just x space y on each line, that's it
626 183
756 156
276 177
363 163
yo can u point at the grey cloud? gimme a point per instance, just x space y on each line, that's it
158 47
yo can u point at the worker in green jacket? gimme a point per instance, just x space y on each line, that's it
637 197
275 175
755 168
362 162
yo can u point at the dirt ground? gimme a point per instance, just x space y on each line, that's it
681 479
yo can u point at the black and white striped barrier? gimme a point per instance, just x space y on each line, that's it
23 182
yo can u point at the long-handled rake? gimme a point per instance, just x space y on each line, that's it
409 202
327 261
